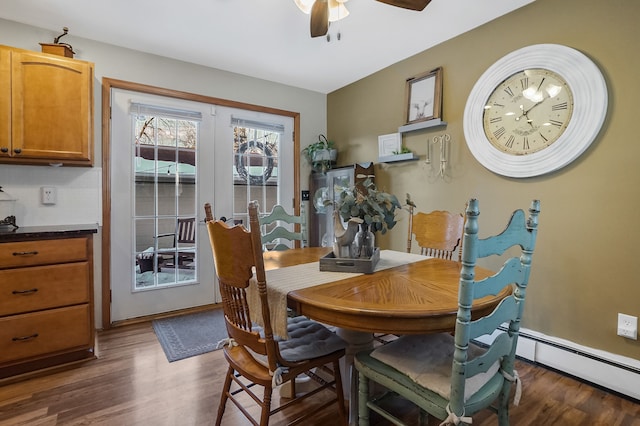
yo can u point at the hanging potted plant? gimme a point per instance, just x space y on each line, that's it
322 155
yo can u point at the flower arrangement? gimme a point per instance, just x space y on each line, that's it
374 207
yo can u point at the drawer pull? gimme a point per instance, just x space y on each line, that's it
31 290
25 338
25 253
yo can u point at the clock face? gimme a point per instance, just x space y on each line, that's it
528 111
535 110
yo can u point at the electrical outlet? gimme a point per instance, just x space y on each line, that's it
48 195
628 326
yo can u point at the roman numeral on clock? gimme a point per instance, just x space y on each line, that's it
509 91
559 107
499 133
509 142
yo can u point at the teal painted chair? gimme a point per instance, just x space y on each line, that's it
449 376
274 230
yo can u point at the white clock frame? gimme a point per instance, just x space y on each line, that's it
589 111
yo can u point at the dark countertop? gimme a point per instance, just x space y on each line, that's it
52 231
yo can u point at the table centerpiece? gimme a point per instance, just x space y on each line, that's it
376 210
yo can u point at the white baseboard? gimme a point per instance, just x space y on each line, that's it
611 371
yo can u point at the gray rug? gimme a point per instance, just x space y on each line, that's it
188 335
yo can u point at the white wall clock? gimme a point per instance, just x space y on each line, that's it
535 110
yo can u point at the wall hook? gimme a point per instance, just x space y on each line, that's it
444 141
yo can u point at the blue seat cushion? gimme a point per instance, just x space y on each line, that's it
308 339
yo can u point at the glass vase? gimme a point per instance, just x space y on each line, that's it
364 243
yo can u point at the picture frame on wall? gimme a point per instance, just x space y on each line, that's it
424 96
389 144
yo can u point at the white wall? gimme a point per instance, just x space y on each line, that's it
79 189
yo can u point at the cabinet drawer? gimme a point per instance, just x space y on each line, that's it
43 287
43 252
40 333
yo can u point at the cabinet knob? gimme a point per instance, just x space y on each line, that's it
4 149
17 150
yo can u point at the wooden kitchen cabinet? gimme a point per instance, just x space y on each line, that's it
46 109
46 302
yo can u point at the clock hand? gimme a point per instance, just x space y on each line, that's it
524 114
534 105
537 103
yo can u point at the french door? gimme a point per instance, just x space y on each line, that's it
169 157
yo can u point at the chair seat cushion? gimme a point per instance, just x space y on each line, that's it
308 339
427 360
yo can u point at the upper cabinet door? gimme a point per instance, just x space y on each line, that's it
5 102
51 109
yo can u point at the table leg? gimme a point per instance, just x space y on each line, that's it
357 341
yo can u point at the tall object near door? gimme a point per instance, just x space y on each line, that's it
325 187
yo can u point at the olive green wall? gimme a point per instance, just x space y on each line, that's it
583 269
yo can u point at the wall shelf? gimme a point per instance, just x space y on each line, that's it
421 125
410 156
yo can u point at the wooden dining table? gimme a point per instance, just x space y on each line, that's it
419 297
416 298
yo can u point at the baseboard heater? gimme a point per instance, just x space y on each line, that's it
613 372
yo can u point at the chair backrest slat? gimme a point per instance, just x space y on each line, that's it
186 232
274 230
501 347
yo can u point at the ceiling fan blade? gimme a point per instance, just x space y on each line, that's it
319 18
408 4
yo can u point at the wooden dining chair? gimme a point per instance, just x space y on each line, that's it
437 233
252 353
449 376
274 229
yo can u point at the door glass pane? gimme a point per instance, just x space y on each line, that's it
165 201
255 172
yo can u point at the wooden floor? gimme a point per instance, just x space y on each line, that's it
133 384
